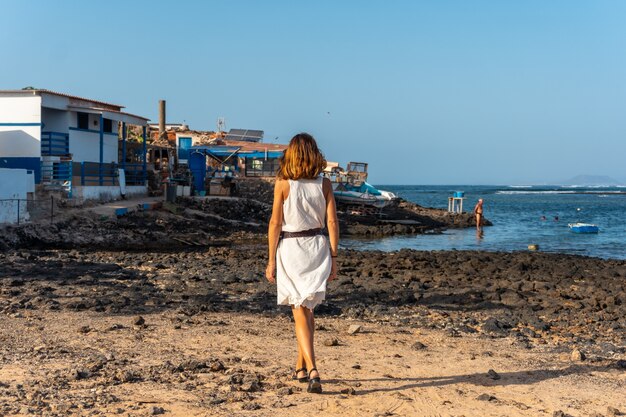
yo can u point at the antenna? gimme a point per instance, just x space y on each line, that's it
221 124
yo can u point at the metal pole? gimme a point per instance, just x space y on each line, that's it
18 212
101 146
145 150
124 145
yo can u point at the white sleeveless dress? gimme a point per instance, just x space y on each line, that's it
303 264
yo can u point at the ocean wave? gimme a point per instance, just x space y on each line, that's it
535 192
520 186
593 186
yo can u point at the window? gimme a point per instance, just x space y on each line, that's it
107 125
83 120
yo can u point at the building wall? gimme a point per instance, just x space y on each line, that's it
85 146
20 127
20 132
55 120
108 192
14 184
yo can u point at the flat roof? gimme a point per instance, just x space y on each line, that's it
126 117
40 91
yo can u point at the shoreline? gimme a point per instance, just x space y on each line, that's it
168 311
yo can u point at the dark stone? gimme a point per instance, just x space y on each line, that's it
418 346
154 410
491 374
495 327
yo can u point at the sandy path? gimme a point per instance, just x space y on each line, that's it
51 364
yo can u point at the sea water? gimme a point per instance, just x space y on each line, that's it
521 215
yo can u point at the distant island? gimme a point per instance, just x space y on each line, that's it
592 180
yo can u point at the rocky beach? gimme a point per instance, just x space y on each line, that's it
168 312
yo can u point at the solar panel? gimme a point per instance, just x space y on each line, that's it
245 135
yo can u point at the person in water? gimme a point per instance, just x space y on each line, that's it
478 212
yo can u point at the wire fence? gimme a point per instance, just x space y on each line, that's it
18 210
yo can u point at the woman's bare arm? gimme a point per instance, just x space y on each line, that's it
275 227
332 224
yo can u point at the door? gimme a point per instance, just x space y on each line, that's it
197 166
183 149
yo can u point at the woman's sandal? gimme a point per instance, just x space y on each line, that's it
303 379
315 384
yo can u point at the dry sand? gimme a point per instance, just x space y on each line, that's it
210 340
239 365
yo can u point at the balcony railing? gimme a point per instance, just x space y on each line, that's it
94 173
55 144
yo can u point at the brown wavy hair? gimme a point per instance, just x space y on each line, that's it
302 159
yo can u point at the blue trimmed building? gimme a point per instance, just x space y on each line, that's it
69 142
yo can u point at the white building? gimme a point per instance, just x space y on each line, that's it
16 189
69 142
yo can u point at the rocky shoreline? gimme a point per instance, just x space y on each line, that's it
537 298
95 308
210 222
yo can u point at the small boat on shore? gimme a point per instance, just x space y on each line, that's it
583 228
365 194
350 187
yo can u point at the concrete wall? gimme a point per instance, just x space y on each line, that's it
20 133
15 184
108 193
85 146
20 127
55 120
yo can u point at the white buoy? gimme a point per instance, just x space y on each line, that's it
533 246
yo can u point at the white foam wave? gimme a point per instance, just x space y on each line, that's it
593 186
535 192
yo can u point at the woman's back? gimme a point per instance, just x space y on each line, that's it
305 206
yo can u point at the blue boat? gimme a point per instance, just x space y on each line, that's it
583 228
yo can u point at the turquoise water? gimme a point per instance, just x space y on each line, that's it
516 213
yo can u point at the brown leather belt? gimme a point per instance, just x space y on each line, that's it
303 233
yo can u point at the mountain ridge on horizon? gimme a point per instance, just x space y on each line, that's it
592 180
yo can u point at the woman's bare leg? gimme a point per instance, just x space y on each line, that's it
303 318
300 363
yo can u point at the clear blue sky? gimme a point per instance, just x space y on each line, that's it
437 92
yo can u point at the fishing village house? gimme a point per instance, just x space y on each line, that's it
68 144
211 156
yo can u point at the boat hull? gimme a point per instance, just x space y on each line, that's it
583 228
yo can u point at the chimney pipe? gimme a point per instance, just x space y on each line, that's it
161 119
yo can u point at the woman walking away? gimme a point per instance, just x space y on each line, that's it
301 259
